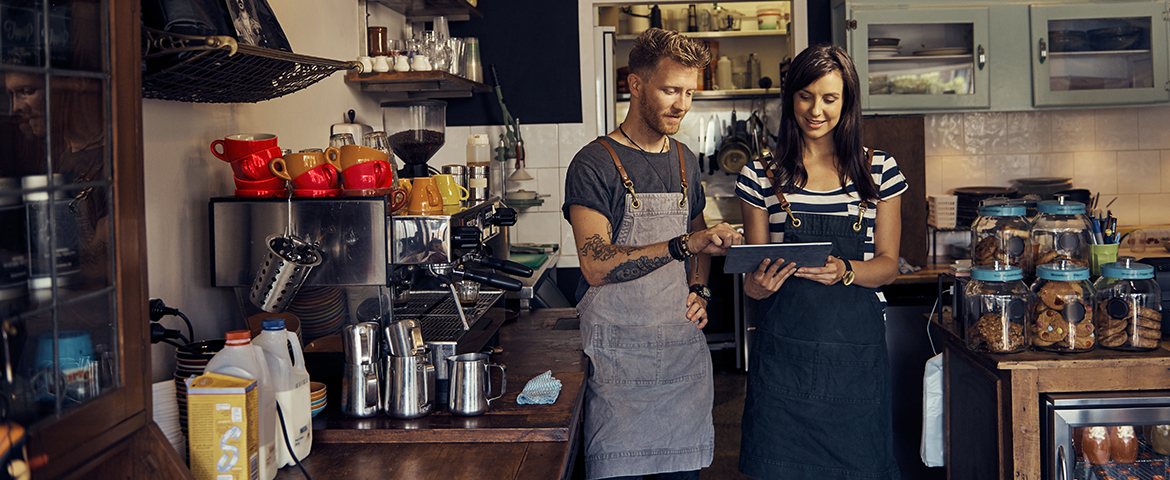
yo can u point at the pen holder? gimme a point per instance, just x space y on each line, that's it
1100 255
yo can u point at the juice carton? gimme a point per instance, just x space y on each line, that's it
224 427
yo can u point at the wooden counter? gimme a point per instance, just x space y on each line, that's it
511 441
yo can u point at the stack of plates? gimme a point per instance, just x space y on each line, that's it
1043 187
317 398
322 311
166 415
969 198
191 363
884 52
941 51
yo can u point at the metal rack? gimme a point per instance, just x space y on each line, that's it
435 310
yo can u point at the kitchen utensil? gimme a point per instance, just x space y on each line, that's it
272 183
360 392
711 140
288 262
470 385
235 146
404 338
467 291
410 386
512 139
416 132
368 175
254 166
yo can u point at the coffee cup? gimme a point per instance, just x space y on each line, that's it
293 165
273 183
235 146
396 200
321 177
316 192
254 166
424 198
350 155
452 192
366 175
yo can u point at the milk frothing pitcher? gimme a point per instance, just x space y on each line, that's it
410 386
360 392
470 385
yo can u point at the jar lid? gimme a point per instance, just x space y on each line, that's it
1127 269
1002 210
996 273
1060 207
1062 271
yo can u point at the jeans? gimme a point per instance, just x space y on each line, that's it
691 475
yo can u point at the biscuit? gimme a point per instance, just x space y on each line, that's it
1055 294
986 251
1147 332
1046 257
1116 340
1144 342
1110 326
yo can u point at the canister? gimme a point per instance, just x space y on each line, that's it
1001 234
1061 231
997 303
1129 303
477 183
1062 316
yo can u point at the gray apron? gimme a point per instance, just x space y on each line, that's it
650 392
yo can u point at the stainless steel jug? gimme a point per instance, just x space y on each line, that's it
410 386
404 338
360 392
471 386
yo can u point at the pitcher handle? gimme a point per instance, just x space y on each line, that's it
298 355
429 386
503 381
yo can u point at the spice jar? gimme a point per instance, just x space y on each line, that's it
1001 234
1129 301
997 309
1061 232
1062 317
376 41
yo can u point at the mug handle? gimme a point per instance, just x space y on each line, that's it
278 168
216 153
333 157
433 194
331 173
466 194
397 199
503 380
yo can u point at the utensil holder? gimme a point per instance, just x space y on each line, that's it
284 270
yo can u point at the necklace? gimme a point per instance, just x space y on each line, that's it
620 129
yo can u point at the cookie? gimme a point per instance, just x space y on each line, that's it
1115 340
1046 257
1110 326
1055 294
1083 343
986 251
1144 342
1148 332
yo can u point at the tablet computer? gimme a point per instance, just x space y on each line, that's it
746 258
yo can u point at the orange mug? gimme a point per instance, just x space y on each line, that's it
292 165
425 198
351 155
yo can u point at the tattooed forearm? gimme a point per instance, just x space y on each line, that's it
635 268
600 250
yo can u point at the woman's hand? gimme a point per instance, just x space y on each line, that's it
767 278
697 309
829 274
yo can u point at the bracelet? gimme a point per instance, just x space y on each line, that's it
677 247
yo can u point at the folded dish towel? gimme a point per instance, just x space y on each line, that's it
542 389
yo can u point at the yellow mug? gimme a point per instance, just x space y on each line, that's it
452 192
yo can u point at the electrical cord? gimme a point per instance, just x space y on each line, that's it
158 309
288 443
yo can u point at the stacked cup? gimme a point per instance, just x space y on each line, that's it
312 173
249 155
367 172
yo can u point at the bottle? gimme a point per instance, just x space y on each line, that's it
692 19
239 358
292 389
723 73
479 150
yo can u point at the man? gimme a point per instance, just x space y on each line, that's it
635 202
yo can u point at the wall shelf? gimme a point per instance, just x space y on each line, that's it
417 85
721 34
739 93
456 10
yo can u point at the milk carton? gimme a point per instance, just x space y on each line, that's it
224 427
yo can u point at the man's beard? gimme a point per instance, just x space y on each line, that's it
653 119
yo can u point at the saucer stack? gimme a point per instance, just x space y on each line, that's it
317 398
166 415
191 362
322 311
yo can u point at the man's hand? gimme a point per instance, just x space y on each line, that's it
767 278
697 309
714 240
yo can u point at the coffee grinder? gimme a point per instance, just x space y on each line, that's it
416 131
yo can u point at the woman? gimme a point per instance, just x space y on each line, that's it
818 398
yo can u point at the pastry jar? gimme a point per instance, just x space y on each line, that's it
1062 316
1001 234
1061 231
1129 303
997 309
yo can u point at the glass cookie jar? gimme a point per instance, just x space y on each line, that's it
1061 231
1129 301
1062 317
1001 234
997 309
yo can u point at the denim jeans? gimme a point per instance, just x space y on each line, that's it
689 475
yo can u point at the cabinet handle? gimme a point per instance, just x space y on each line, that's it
981 57
1043 50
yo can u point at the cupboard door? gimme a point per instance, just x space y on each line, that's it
922 59
1099 54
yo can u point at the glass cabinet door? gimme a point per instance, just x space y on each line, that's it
922 59
1099 54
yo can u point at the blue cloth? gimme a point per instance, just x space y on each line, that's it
542 389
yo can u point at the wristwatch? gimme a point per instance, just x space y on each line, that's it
702 291
847 278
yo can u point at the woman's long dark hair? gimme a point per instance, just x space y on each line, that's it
787 165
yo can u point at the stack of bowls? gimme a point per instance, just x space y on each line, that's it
190 362
322 311
317 398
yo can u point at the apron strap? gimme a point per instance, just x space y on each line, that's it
682 168
862 205
629 184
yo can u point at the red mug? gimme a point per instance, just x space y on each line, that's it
261 193
316 192
321 177
378 174
240 144
273 183
254 166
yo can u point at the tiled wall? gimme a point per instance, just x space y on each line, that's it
1123 153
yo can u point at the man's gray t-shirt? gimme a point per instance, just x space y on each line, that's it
593 180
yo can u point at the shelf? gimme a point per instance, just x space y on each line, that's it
417 85
1094 53
417 9
921 58
724 34
723 94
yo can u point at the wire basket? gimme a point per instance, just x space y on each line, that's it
289 261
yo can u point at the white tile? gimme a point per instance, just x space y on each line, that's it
1152 131
1139 171
569 261
1165 155
549 180
1002 169
541 145
568 242
1096 171
1114 128
1051 165
962 171
1153 209
538 227
1029 132
1126 208
454 149
944 134
933 172
571 137
1072 131
985 133
513 185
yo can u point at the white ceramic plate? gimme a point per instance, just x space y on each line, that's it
934 52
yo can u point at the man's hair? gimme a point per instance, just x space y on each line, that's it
655 44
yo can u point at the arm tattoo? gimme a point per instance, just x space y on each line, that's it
635 268
601 250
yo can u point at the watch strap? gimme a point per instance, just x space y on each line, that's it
702 291
847 278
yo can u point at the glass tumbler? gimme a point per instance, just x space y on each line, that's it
340 139
467 291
